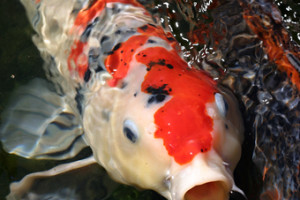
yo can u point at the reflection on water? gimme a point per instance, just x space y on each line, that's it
214 36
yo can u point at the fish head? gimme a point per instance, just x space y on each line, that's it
170 142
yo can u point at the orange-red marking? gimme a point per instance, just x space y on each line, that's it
183 122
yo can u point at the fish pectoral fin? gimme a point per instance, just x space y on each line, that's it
38 123
61 181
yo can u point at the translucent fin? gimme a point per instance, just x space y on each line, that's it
235 188
83 179
40 124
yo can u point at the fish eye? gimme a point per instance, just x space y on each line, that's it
221 104
130 130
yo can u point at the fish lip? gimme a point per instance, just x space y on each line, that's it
204 171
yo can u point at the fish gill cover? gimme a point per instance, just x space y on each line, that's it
251 48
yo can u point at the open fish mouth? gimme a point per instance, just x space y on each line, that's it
204 178
207 191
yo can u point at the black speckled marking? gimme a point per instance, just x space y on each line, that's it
161 62
159 90
158 94
156 98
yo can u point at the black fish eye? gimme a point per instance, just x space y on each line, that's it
130 131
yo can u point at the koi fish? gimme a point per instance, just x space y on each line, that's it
151 120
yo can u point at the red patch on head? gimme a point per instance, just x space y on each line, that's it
183 122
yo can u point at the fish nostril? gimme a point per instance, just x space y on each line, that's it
207 191
167 182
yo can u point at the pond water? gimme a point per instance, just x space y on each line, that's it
216 36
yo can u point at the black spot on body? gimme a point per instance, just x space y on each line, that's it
87 75
86 33
171 39
151 41
135 94
103 39
79 99
99 68
170 66
144 28
226 106
226 127
117 46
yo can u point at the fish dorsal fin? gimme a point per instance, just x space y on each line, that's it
40 124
